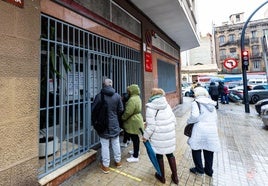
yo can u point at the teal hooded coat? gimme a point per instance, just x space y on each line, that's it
132 117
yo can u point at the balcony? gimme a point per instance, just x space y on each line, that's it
254 40
256 55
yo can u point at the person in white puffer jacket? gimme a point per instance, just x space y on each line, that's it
160 130
204 138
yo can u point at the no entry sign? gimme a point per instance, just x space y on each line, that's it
230 63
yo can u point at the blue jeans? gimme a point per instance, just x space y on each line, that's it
226 98
105 150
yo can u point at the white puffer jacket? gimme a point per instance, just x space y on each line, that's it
205 131
160 126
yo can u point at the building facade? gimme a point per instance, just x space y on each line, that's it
54 56
200 61
228 44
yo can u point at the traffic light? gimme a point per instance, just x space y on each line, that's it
245 59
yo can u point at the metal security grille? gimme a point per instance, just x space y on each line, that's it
73 65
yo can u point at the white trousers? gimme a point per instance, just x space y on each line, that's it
105 150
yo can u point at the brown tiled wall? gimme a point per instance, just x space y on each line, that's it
151 81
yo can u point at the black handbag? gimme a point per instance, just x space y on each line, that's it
189 127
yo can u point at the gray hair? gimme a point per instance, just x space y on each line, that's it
107 82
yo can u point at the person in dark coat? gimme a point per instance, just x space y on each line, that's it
221 91
126 138
214 93
111 134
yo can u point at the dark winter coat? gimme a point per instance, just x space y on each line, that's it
115 108
221 87
213 89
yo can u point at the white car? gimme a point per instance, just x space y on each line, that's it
186 91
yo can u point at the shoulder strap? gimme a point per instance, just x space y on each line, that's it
198 104
156 113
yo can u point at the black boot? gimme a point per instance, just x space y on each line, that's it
173 167
162 169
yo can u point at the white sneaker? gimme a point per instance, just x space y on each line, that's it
122 144
132 159
128 142
131 152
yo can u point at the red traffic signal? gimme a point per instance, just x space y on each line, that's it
245 55
245 58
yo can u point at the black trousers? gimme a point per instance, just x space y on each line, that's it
126 137
208 157
136 144
160 156
216 98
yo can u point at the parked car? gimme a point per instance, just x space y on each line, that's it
257 81
186 91
259 104
236 93
255 92
259 92
264 115
233 84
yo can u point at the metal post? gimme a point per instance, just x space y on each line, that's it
264 53
244 68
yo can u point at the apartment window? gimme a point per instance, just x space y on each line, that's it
255 50
222 40
233 53
265 32
256 65
231 37
222 54
254 34
232 50
237 17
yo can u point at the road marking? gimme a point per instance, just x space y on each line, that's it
125 174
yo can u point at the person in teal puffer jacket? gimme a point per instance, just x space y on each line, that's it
133 120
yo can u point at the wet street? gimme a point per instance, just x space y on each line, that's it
243 160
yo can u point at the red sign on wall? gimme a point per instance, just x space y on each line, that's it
148 62
19 3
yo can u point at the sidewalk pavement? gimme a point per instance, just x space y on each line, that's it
243 160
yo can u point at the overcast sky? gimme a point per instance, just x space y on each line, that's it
218 11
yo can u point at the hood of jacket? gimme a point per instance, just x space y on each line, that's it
133 90
108 90
206 102
158 103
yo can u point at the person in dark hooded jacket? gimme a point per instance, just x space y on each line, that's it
111 134
214 93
